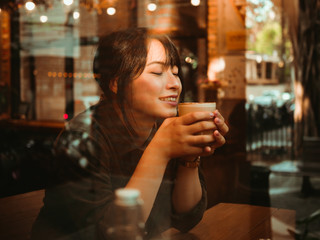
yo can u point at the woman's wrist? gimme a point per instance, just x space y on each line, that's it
157 153
190 163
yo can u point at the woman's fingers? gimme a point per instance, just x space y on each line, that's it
198 122
202 121
208 150
220 123
194 134
201 140
219 139
212 141
202 127
217 114
194 117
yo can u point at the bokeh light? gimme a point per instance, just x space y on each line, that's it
76 15
30 6
43 19
152 7
111 11
68 2
195 2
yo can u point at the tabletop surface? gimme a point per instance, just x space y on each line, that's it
227 221
224 221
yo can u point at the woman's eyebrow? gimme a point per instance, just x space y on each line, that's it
156 62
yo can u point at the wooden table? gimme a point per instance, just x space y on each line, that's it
224 221
227 221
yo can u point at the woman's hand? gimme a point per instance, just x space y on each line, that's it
220 132
181 136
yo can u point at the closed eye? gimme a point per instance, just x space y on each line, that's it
157 73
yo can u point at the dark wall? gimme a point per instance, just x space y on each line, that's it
25 157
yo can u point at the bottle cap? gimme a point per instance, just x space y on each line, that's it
127 196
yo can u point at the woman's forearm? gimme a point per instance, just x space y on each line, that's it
187 190
148 176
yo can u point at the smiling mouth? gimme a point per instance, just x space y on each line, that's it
169 99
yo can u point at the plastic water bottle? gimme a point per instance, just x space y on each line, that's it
127 222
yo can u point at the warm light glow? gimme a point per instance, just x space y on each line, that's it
259 59
76 15
68 2
281 64
152 7
70 74
30 6
298 102
188 59
43 18
65 116
216 65
272 15
195 2
111 11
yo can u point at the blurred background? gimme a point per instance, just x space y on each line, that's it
258 59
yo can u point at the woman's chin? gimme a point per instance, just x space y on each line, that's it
170 114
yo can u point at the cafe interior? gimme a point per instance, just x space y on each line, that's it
257 59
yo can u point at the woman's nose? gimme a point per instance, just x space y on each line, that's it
173 81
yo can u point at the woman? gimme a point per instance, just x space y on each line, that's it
132 139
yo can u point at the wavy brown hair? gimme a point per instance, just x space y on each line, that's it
121 56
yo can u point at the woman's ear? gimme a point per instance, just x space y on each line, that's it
114 86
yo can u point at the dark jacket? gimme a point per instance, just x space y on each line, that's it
94 155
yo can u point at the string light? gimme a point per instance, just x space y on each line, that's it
195 2
97 5
67 2
30 6
111 11
152 7
43 19
76 15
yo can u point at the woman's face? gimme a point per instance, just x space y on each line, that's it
155 93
